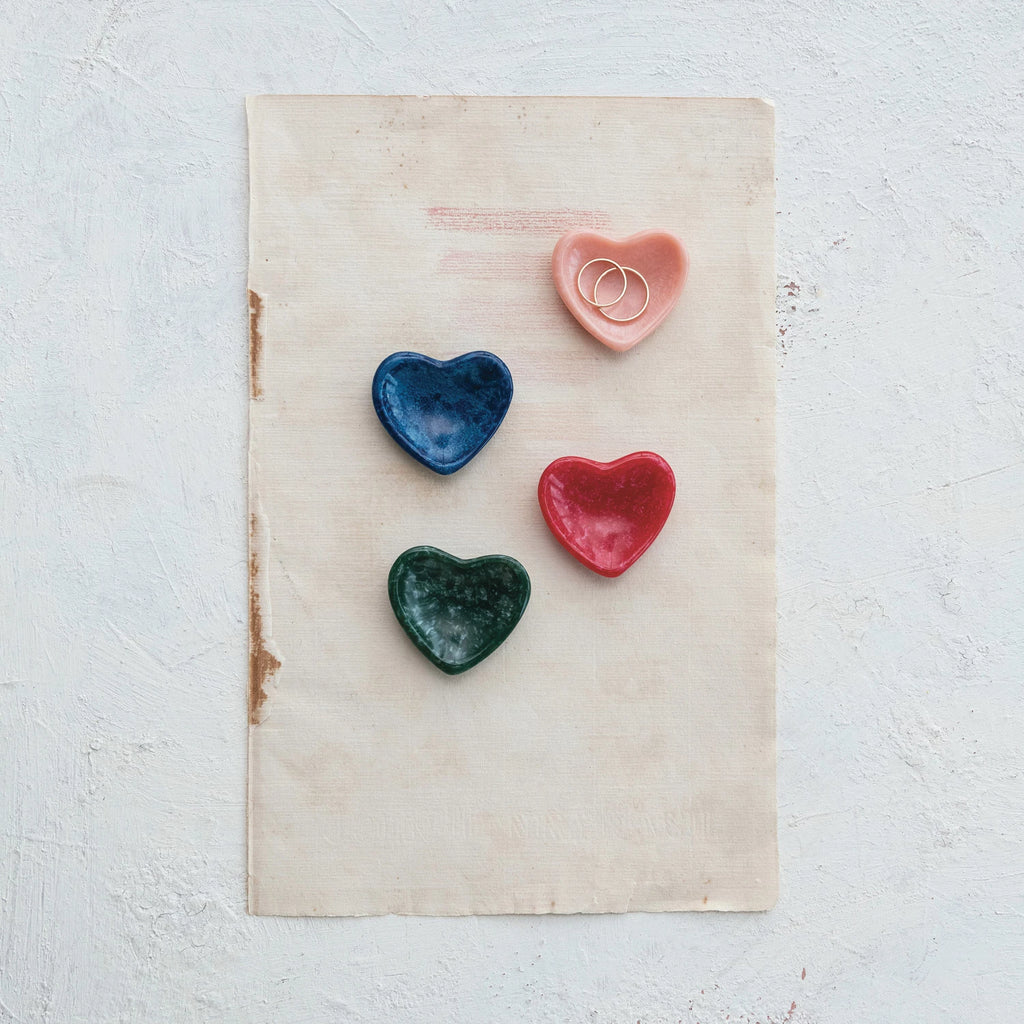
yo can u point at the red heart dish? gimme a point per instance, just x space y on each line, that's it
607 514
656 255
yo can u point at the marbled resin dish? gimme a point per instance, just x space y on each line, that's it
656 255
457 611
607 514
442 412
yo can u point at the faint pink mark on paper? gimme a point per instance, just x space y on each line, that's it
516 222
493 266
532 316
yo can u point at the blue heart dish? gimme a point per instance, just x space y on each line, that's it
442 412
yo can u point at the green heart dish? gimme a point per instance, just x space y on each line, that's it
457 611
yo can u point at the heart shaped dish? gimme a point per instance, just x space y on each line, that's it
619 291
607 514
457 611
442 412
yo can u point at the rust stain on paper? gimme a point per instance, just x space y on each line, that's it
262 664
255 344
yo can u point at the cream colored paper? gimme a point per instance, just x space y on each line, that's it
617 752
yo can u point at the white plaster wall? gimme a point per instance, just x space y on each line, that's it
123 360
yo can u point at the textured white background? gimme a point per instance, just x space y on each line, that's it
123 376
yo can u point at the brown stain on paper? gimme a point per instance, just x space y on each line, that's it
262 664
255 344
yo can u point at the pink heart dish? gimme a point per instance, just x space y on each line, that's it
619 291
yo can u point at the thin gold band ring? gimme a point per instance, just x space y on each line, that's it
625 270
593 301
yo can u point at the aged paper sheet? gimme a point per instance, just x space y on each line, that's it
618 751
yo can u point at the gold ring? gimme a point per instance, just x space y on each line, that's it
639 312
593 301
